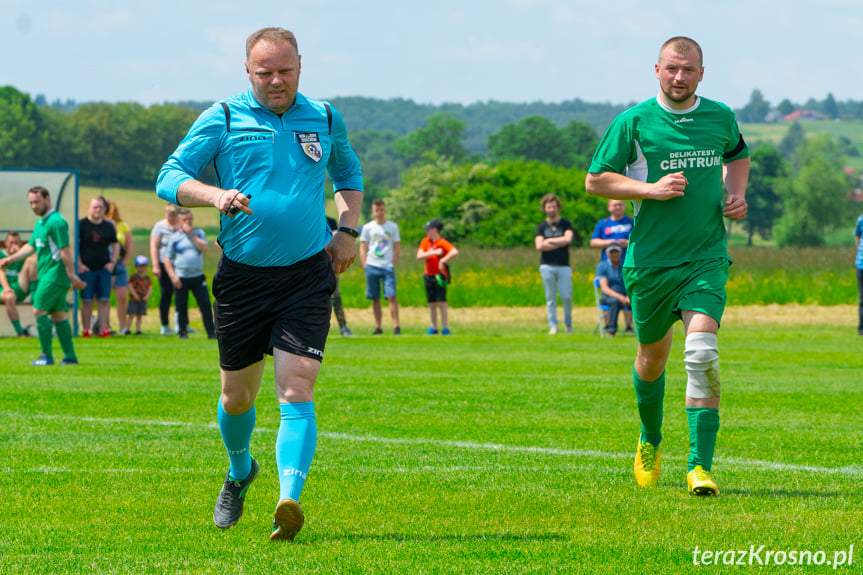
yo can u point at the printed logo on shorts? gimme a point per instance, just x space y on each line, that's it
314 351
311 145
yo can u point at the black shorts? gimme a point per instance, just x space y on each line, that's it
434 291
257 309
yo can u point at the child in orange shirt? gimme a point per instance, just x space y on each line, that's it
436 252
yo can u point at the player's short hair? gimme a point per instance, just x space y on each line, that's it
38 190
172 208
549 198
183 211
682 45
378 202
272 34
11 235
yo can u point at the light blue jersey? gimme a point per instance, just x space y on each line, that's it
281 162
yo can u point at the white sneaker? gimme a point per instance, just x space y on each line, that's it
553 330
166 330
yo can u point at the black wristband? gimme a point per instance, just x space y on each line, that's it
350 231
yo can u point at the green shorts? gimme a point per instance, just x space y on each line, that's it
20 294
50 297
659 295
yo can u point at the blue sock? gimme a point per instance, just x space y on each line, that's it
295 447
237 434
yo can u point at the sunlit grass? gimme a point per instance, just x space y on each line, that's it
496 450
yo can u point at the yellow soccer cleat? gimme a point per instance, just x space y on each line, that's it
287 520
647 464
700 483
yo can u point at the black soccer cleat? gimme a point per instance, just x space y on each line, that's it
229 505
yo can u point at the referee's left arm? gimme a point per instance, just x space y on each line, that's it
343 246
347 175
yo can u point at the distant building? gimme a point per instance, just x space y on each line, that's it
804 115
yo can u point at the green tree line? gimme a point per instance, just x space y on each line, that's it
759 110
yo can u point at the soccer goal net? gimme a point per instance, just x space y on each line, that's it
16 216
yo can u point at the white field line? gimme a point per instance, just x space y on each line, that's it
467 445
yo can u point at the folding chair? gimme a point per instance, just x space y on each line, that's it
601 310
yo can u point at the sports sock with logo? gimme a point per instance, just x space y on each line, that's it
650 395
16 323
64 335
43 326
295 447
703 427
237 435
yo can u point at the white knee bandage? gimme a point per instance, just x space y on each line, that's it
701 357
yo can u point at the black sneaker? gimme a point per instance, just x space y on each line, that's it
69 361
397 331
229 505
378 331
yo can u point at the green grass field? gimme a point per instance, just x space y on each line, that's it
497 450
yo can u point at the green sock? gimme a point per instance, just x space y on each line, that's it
649 395
703 427
43 326
16 323
64 334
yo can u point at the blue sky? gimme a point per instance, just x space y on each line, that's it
152 51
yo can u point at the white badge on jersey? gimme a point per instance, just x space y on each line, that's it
311 145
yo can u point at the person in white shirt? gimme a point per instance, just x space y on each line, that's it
380 246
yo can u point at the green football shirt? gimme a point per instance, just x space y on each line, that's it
50 235
651 140
13 270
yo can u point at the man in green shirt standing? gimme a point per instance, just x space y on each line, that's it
54 264
670 156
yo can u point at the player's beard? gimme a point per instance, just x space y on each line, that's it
689 93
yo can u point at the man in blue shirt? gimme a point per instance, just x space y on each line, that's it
613 230
610 275
858 265
272 146
184 264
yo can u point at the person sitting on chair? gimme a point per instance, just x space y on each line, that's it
610 276
16 282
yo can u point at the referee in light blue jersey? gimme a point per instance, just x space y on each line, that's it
271 148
